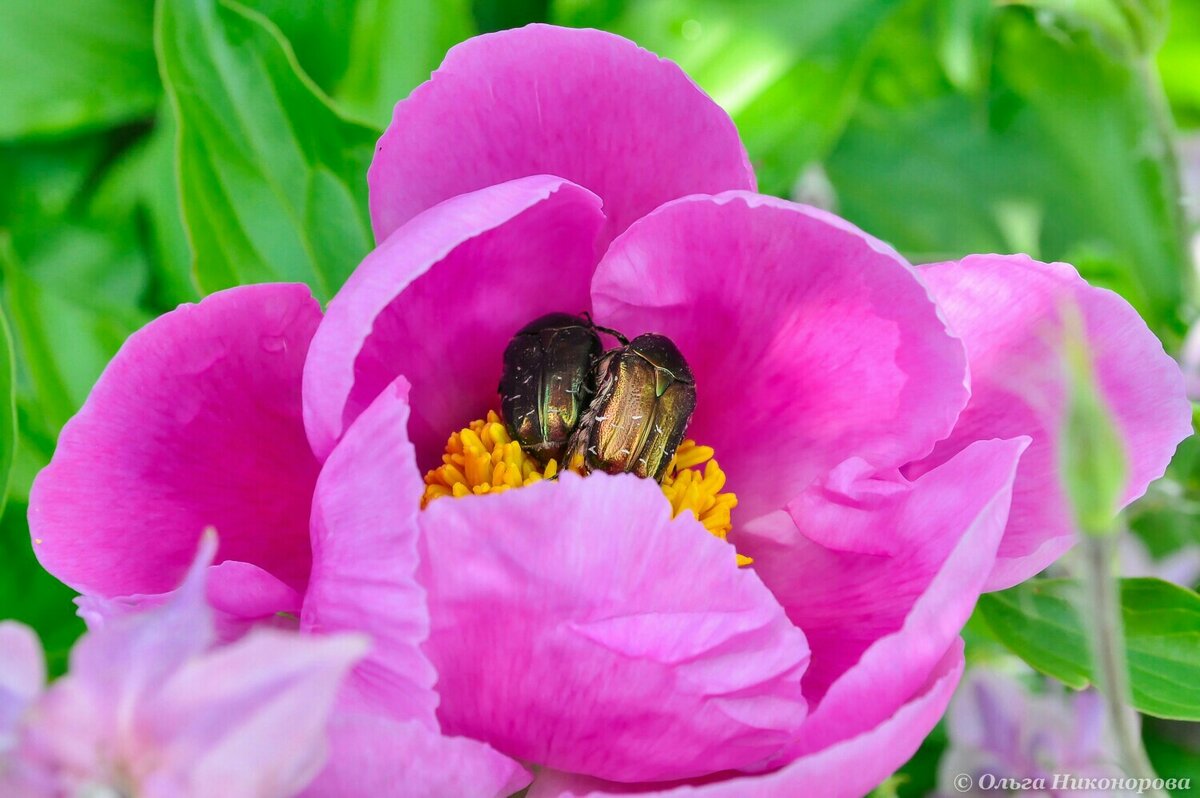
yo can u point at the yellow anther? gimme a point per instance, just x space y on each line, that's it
481 458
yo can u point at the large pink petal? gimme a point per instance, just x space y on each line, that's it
438 302
364 536
1009 312
196 422
373 755
581 104
811 342
574 624
939 533
848 769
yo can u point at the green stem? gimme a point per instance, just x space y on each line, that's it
1111 675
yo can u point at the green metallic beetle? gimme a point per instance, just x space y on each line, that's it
645 397
546 382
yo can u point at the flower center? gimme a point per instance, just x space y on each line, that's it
482 458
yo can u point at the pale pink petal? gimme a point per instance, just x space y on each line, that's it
239 594
585 105
372 755
80 731
939 532
246 720
438 302
364 538
22 674
195 423
848 769
149 709
575 625
1008 309
134 653
811 342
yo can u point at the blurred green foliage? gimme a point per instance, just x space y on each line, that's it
151 153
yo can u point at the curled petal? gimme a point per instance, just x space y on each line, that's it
576 625
811 342
364 537
880 623
1009 312
585 105
195 423
438 302
385 736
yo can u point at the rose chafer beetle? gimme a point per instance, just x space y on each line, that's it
546 383
645 396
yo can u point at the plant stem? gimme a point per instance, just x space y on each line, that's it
1108 649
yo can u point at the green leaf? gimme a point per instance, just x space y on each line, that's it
319 33
1063 154
8 409
72 302
42 179
493 15
788 73
1179 62
1125 27
1174 751
273 179
72 65
394 46
1040 622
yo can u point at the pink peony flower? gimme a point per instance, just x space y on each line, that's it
890 432
148 709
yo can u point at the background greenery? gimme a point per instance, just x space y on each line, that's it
151 155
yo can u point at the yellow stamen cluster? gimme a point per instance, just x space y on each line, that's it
688 488
482 458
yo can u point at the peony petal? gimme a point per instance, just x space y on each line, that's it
848 769
939 531
22 675
82 727
195 423
364 530
132 654
879 625
364 537
247 720
239 594
811 342
585 105
374 756
575 625
1007 309
438 302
